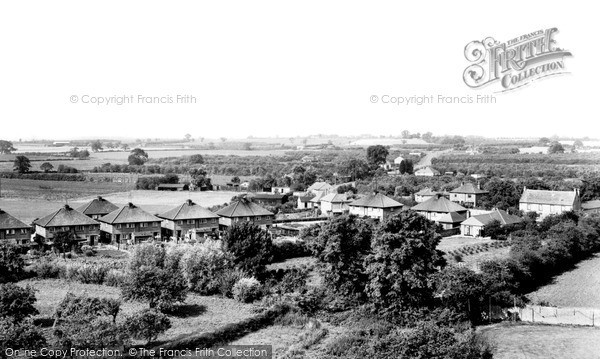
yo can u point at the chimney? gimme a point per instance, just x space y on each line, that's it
130 205
189 202
100 198
478 185
67 207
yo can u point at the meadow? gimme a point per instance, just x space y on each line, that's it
543 341
579 287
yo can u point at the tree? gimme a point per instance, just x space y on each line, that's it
355 168
223 139
11 263
137 157
46 167
21 164
235 180
188 137
340 247
544 141
377 154
63 241
556 147
19 335
405 134
147 324
403 259
152 280
6 147
427 136
16 303
578 144
196 159
124 147
96 146
250 246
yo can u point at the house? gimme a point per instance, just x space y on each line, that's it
266 199
398 160
173 187
437 206
66 219
591 206
478 176
387 165
451 220
474 224
245 210
315 202
334 203
189 221
468 194
427 172
545 203
13 230
130 223
376 206
424 194
320 187
97 208
304 201
280 190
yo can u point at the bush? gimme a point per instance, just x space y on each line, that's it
115 278
250 247
90 273
16 303
147 324
11 263
227 281
203 269
46 269
247 290
19 335
288 249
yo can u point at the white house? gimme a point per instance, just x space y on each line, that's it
545 203
427 172
375 206
334 203
473 225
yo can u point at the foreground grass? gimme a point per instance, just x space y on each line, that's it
197 315
543 341
579 287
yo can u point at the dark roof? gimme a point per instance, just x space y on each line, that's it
451 217
188 210
469 188
66 216
128 214
171 185
377 200
97 206
243 208
306 198
9 222
502 216
564 198
265 195
438 203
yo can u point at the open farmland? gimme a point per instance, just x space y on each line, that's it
579 287
57 190
543 341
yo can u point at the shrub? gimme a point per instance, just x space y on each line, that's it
250 247
11 263
288 249
247 290
115 278
19 335
203 268
16 303
147 324
227 281
46 269
90 273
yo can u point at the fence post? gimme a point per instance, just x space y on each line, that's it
532 315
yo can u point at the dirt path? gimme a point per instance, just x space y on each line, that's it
425 161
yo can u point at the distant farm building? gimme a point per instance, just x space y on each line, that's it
427 172
173 187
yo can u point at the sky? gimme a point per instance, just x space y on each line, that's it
280 68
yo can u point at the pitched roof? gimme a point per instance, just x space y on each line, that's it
317 197
320 186
451 217
97 206
128 214
591 204
564 198
469 188
188 210
66 216
243 208
377 200
438 203
9 222
502 216
335 198
398 160
426 192
306 198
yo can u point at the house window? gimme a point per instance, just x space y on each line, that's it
132 225
190 221
529 206
23 231
468 196
179 222
144 225
540 207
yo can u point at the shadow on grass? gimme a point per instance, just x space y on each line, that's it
187 310
44 322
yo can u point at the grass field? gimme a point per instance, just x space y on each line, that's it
543 341
199 313
579 287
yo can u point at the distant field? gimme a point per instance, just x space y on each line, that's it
57 190
579 287
543 341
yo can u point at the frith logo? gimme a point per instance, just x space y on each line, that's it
516 62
